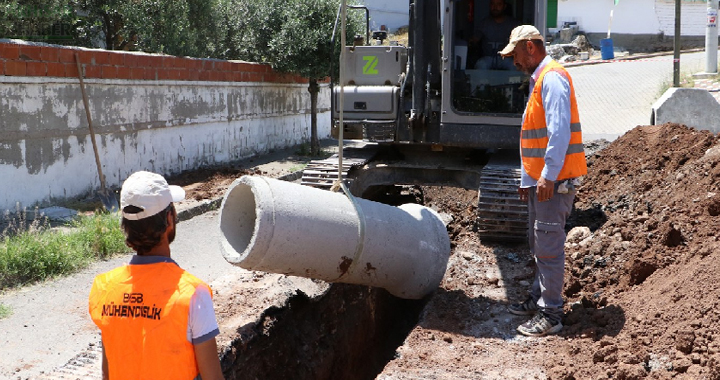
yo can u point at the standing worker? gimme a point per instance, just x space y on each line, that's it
553 160
157 320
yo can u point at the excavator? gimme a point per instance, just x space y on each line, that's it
431 117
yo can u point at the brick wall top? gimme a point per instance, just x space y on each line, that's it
39 60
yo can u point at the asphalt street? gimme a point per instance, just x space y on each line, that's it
615 97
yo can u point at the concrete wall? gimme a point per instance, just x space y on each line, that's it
210 112
637 25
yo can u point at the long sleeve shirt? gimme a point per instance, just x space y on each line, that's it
556 103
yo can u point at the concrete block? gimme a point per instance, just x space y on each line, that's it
693 107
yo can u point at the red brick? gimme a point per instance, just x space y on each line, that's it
216 76
194 75
196 64
208 64
92 71
151 74
237 76
36 69
163 74
181 63
227 76
101 58
220 65
66 55
155 61
137 73
116 59
204 75
30 52
2 67
9 51
15 68
71 70
131 60
55 69
254 68
167 62
49 54
184 74
123 72
109 72
271 77
86 57
254 77
143 61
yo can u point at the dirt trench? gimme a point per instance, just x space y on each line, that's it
350 332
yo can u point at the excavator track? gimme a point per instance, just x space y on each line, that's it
324 173
501 214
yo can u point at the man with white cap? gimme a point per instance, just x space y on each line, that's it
157 320
553 160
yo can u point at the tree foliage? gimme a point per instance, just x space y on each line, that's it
36 19
291 35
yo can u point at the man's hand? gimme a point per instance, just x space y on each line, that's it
523 191
545 189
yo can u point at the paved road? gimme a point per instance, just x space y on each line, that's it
616 97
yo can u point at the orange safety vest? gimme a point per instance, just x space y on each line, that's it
142 312
534 136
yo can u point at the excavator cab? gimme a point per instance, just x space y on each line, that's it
440 111
481 82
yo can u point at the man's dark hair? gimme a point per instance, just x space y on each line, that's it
144 234
539 44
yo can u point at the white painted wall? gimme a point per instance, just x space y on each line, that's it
391 13
635 16
162 126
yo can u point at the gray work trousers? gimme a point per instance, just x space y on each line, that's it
547 244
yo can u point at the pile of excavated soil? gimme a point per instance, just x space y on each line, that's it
642 279
642 276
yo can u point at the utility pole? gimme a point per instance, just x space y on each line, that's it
676 55
711 38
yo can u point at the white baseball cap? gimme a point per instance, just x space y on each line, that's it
521 33
150 192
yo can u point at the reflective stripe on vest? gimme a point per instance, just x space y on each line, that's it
142 312
534 134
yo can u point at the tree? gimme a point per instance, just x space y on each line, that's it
293 36
36 20
177 27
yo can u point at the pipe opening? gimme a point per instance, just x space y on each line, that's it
239 226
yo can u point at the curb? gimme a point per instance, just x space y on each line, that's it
629 58
214 204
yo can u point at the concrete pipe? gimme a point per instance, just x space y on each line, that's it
282 227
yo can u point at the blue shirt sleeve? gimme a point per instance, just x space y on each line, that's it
556 102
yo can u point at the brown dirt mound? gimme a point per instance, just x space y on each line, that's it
644 283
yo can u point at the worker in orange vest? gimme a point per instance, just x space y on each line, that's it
553 160
157 320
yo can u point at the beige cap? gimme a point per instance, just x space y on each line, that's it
150 192
521 33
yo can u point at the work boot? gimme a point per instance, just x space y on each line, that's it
529 307
540 325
